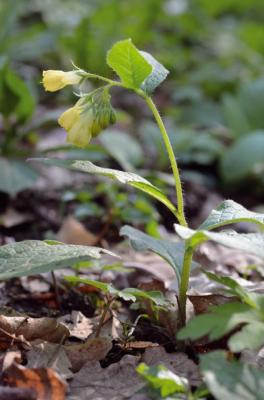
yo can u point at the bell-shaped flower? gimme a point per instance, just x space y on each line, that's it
90 115
54 80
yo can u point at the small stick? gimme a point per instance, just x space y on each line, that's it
101 321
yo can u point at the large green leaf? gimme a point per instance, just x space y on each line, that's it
222 319
34 256
15 176
125 59
128 178
252 243
157 76
231 380
244 158
172 252
230 212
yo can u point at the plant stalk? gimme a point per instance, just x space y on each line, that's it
185 275
173 162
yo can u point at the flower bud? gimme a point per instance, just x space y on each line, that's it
54 80
90 115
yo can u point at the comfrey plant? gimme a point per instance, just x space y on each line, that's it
141 73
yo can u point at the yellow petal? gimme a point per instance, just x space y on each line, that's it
69 118
54 80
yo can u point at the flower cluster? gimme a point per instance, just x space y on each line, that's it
89 116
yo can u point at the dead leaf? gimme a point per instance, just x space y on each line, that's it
12 393
44 355
139 344
34 284
119 381
44 381
94 349
216 256
47 329
255 358
11 218
179 363
74 232
8 359
78 325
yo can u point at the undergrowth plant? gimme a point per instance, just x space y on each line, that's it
140 73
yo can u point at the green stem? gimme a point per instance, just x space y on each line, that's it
88 75
174 166
185 275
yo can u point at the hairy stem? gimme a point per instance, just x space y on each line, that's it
186 268
88 75
174 166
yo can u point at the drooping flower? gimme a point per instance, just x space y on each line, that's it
90 115
54 80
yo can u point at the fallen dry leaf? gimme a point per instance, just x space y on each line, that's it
255 358
179 363
47 329
44 381
74 232
34 284
49 355
119 381
13 393
78 325
94 349
11 218
7 359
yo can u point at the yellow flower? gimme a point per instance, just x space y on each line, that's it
77 123
87 118
54 80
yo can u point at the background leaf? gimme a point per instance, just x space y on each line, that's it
128 178
16 176
231 380
247 155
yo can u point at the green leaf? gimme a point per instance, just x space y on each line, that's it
16 176
162 379
34 257
230 212
172 252
222 319
128 178
157 76
231 380
128 294
153 295
235 116
234 288
123 148
252 243
244 158
15 97
125 59
218 322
